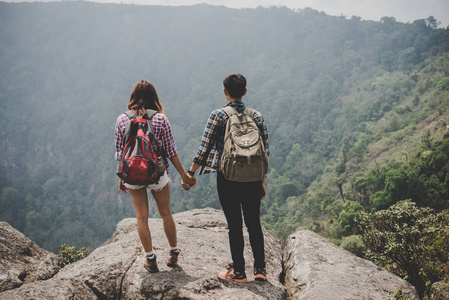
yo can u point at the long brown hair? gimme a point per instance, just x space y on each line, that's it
144 97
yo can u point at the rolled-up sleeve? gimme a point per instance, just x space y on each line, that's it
210 138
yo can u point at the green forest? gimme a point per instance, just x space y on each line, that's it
356 111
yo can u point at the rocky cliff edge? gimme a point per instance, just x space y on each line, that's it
312 268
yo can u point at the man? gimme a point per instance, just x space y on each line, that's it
234 196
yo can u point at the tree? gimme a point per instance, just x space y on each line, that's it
409 241
348 215
432 23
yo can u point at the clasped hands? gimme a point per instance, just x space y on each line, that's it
189 182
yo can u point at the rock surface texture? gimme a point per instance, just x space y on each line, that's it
115 270
313 268
21 260
440 290
318 269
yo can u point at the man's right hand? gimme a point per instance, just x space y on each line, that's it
189 182
264 190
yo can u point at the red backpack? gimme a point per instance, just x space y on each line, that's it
141 161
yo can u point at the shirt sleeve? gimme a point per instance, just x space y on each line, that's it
209 138
167 139
260 122
120 125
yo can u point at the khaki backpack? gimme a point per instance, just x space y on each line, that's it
244 157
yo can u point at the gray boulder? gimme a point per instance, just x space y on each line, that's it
115 270
440 290
313 267
318 269
21 260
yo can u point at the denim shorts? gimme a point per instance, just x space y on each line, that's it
163 181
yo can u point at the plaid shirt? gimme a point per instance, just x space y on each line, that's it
212 142
161 129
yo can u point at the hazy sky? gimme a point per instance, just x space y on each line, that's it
402 10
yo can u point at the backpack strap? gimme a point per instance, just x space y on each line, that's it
150 113
130 114
229 110
250 112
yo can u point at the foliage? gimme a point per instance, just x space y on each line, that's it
399 296
354 244
424 179
409 241
69 254
443 84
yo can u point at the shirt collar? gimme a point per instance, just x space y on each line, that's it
238 105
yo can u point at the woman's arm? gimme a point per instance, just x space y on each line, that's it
185 178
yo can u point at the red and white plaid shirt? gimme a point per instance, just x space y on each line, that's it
161 129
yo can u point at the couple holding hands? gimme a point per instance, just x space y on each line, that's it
234 196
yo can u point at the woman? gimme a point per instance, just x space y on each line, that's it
144 97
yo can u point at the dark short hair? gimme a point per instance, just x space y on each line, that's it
235 84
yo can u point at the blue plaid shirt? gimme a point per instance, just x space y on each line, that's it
212 142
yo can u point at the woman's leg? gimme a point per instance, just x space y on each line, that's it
140 200
162 199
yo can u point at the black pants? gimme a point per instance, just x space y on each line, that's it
235 197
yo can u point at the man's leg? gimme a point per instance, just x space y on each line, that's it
227 193
251 212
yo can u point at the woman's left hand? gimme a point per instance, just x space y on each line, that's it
122 187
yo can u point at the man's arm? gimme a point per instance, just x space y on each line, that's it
209 138
260 122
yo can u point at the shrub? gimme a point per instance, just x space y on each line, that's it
443 84
347 217
69 254
409 241
398 296
354 244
